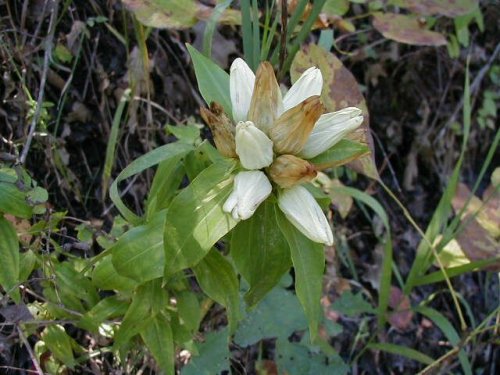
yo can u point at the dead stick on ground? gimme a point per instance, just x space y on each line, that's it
41 93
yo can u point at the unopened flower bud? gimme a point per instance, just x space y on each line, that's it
241 83
289 170
253 147
330 129
250 189
302 210
222 129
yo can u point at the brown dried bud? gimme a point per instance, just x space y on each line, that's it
266 104
289 170
222 129
292 129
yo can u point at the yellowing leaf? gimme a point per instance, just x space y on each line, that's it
340 90
177 14
449 8
171 14
406 29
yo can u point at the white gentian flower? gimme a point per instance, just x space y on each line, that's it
309 84
241 83
253 146
278 133
331 128
302 210
251 188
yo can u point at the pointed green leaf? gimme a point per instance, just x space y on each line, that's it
213 82
106 277
308 260
108 308
341 153
195 220
260 252
138 254
59 343
167 179
157 336
148 300
9 256
170 151
218 280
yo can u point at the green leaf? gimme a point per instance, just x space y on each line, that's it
200 159
73 289
195 220
167 179
437 276
402 351
213 357
260 252
12 200
336 7
157 336
106 277
139 254
108 308
278 315
218 280
352 304
297 359
308 260
189 133
27 263
170 151
9 256
341 153
147 301
59 343
213 82
188 308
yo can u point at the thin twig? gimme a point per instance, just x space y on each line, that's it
32 355
41 93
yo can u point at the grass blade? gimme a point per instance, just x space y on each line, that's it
113 139
402 351
208 35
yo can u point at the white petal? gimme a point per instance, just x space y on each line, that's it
253 146
309 84
331 128
241 82
250 189
302 210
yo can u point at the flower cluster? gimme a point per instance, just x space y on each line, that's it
273 137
